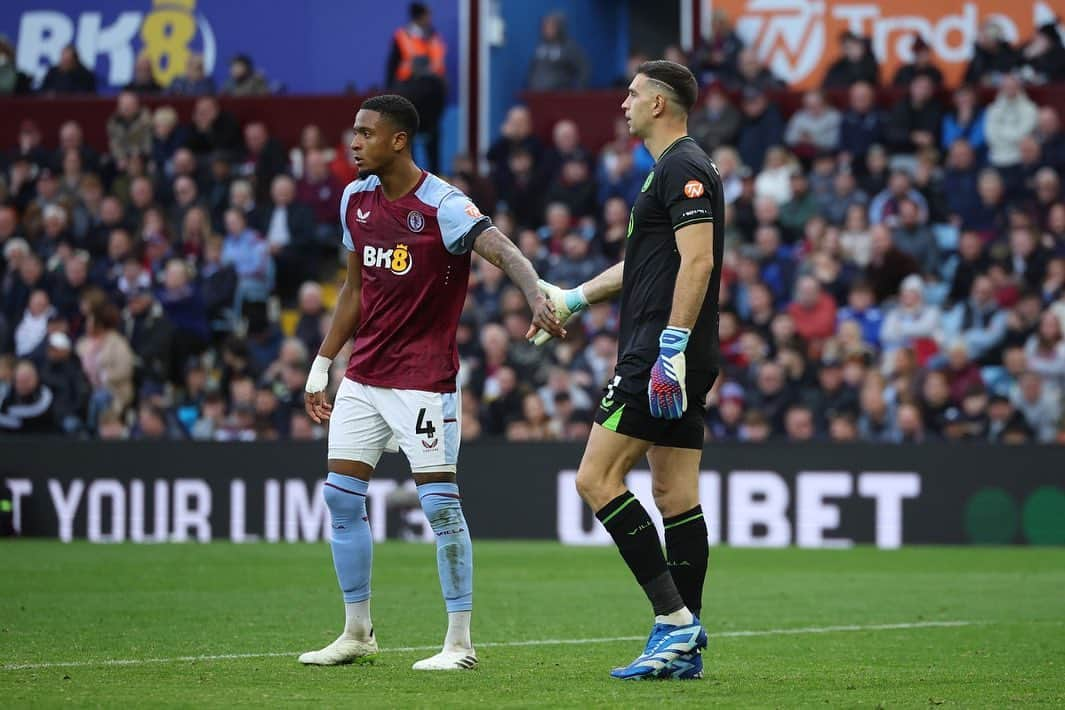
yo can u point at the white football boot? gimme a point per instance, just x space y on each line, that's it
343 650
460 659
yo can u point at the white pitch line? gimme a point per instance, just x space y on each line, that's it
508 644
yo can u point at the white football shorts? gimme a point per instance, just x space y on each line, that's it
367 421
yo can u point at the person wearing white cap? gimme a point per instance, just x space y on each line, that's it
911 322
63 375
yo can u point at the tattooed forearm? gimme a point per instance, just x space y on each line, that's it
495 247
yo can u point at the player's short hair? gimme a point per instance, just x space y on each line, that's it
675 77
399 111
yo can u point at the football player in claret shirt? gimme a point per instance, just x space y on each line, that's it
408 235
668 359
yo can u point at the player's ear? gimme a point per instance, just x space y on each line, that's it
400 139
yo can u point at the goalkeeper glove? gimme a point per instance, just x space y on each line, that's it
665 390
318 377
566 304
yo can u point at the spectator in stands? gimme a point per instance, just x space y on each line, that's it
249 255
838 206
515 133
923 64
183 305
776 263
244 79
972 262
959 183
13 82
71 137
263 159
320 190
1051 138
290 235
311 140
1045 352
1010 117
575 264
212 129
33 326
69 76
913 236
861 308
105 357
218 280
813 311
966 122
993 56
558 62
1039 404
815 127
801 208
166 138
912 323
27 406
618 177
151 336
978 320
762 127
129 129
915 122
718 51
242 197
799 424
772 395
752 73
194 82
521 188
1042 58
717 122
774 180
1027 258
988 216
310 328
566 146
862 126
856 63
143 81
574 187
62 374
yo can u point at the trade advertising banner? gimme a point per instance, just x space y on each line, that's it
316 46
799 39
773 495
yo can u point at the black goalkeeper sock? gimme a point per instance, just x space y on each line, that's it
637 540
688 554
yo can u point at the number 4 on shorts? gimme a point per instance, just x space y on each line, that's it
423 426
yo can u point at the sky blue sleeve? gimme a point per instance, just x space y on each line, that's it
460 222
349 244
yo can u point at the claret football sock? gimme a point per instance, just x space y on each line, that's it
687 554
629 524
352 545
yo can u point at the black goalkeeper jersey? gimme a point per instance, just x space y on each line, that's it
683 188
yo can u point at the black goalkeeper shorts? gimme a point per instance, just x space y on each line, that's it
625 409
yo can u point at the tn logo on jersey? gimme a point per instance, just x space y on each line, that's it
398 260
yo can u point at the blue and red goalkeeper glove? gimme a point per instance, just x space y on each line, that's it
665 391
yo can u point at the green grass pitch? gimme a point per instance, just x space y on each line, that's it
113 626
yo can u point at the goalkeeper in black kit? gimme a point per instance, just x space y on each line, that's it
668 360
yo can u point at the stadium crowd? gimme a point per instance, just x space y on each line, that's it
891 276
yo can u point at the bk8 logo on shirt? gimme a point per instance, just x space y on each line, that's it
397 260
